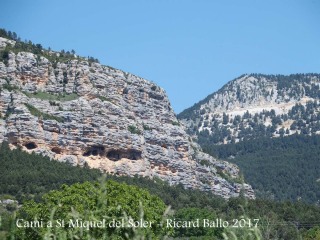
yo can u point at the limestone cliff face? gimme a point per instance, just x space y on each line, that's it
85 113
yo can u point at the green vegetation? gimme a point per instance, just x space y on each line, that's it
28 176
312 234
4 56
284 168
9 87
293 82
192 214
146 127
205 163
52 97
304 119
298 83
134 130
37 49
87 201
45 116
176 123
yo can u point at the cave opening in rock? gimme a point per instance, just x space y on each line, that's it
87 154
134 155
30 145
94 151
116 155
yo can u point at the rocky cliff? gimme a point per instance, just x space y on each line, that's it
256 105
81 112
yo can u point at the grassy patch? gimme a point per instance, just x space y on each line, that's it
175 123
9 87
134 130
36 112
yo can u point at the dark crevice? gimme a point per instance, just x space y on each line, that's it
113 154
156 96
30 145
116 155
125 91
94 151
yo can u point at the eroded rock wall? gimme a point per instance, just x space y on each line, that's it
87 113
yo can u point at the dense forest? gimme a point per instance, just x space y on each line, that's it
284 168
29 176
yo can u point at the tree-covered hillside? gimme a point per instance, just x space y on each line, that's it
285 168
257 105
33 175
28 176
29 46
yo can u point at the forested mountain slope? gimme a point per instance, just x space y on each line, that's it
256 105
283 220
285 168
269 125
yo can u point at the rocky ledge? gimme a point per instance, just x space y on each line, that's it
85 113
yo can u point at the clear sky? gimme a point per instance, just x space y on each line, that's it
190 48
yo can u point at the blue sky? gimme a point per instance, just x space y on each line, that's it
190 48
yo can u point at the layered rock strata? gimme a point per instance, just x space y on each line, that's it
85 113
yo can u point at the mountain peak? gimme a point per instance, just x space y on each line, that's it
257 105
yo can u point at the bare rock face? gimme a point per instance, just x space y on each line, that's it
4 42
88 114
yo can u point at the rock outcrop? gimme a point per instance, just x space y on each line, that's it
257 105
84 113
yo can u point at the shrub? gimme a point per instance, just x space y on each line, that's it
146 127
9 87
94 202
4 56
35 112
175 123
134 130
